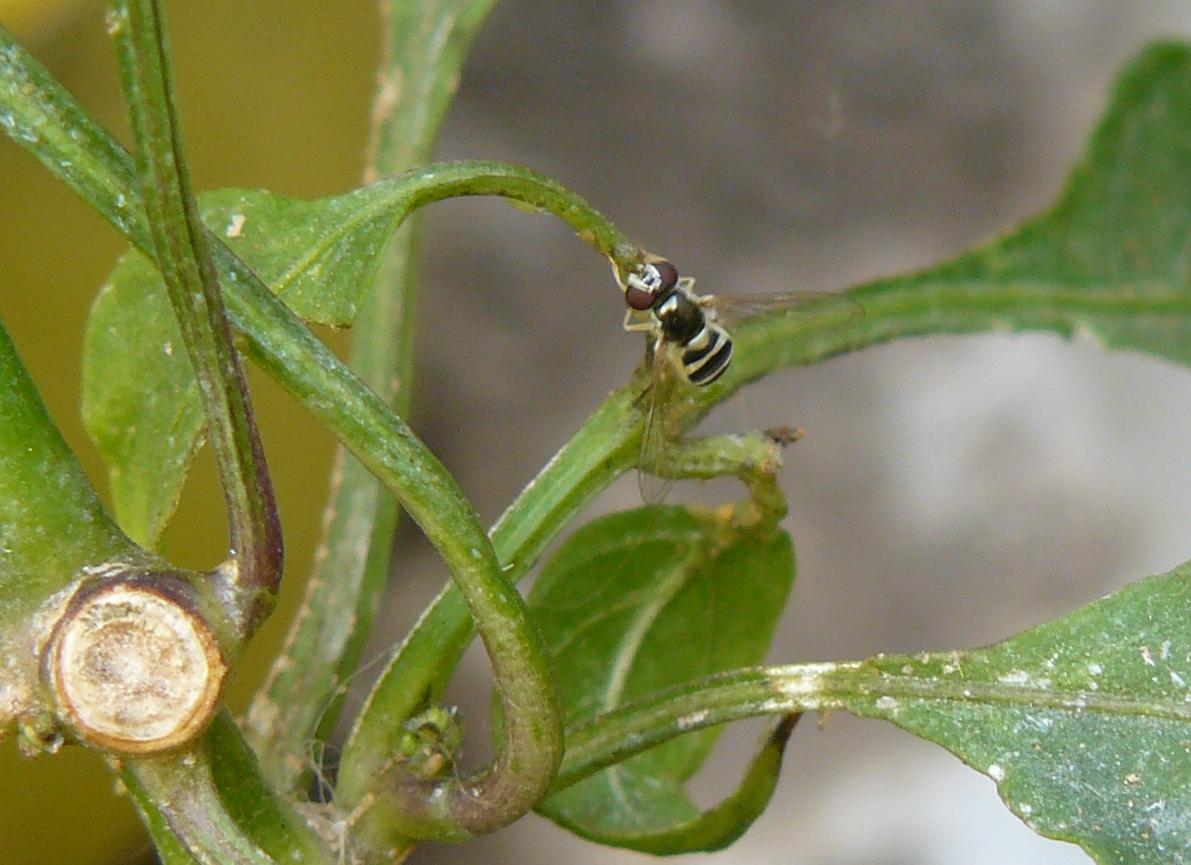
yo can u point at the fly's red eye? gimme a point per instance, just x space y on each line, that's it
637 297
667 274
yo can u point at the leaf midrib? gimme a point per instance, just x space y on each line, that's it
366 214
845 684
637 630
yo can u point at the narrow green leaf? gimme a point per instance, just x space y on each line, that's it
635 602
181 250
1084 722
720 826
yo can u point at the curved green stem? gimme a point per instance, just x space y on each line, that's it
753 458
615 736
722 824
388 448
423 46
179 246
602 450
477 177
382 442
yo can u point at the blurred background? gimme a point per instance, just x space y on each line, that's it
949 492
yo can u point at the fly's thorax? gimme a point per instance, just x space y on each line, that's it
679 316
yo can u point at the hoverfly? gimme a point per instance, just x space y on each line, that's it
691 345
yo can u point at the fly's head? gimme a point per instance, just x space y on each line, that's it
650 283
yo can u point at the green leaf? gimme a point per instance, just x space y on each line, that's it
635 602
1084 722
140 402
320 257
1111 260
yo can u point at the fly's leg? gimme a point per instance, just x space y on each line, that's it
636 320
753 458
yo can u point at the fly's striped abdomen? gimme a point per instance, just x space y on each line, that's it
706 357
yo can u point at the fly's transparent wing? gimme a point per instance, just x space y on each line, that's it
656 435
834 310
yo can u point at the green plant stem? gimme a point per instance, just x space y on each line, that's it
423 48
52 523
178 817
438 181
300 701
179 243
644 723
52 527
753 458
383 443
212 797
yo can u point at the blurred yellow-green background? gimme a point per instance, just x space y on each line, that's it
949 492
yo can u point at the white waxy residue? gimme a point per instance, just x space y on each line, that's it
1015 677
235 225
694 719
